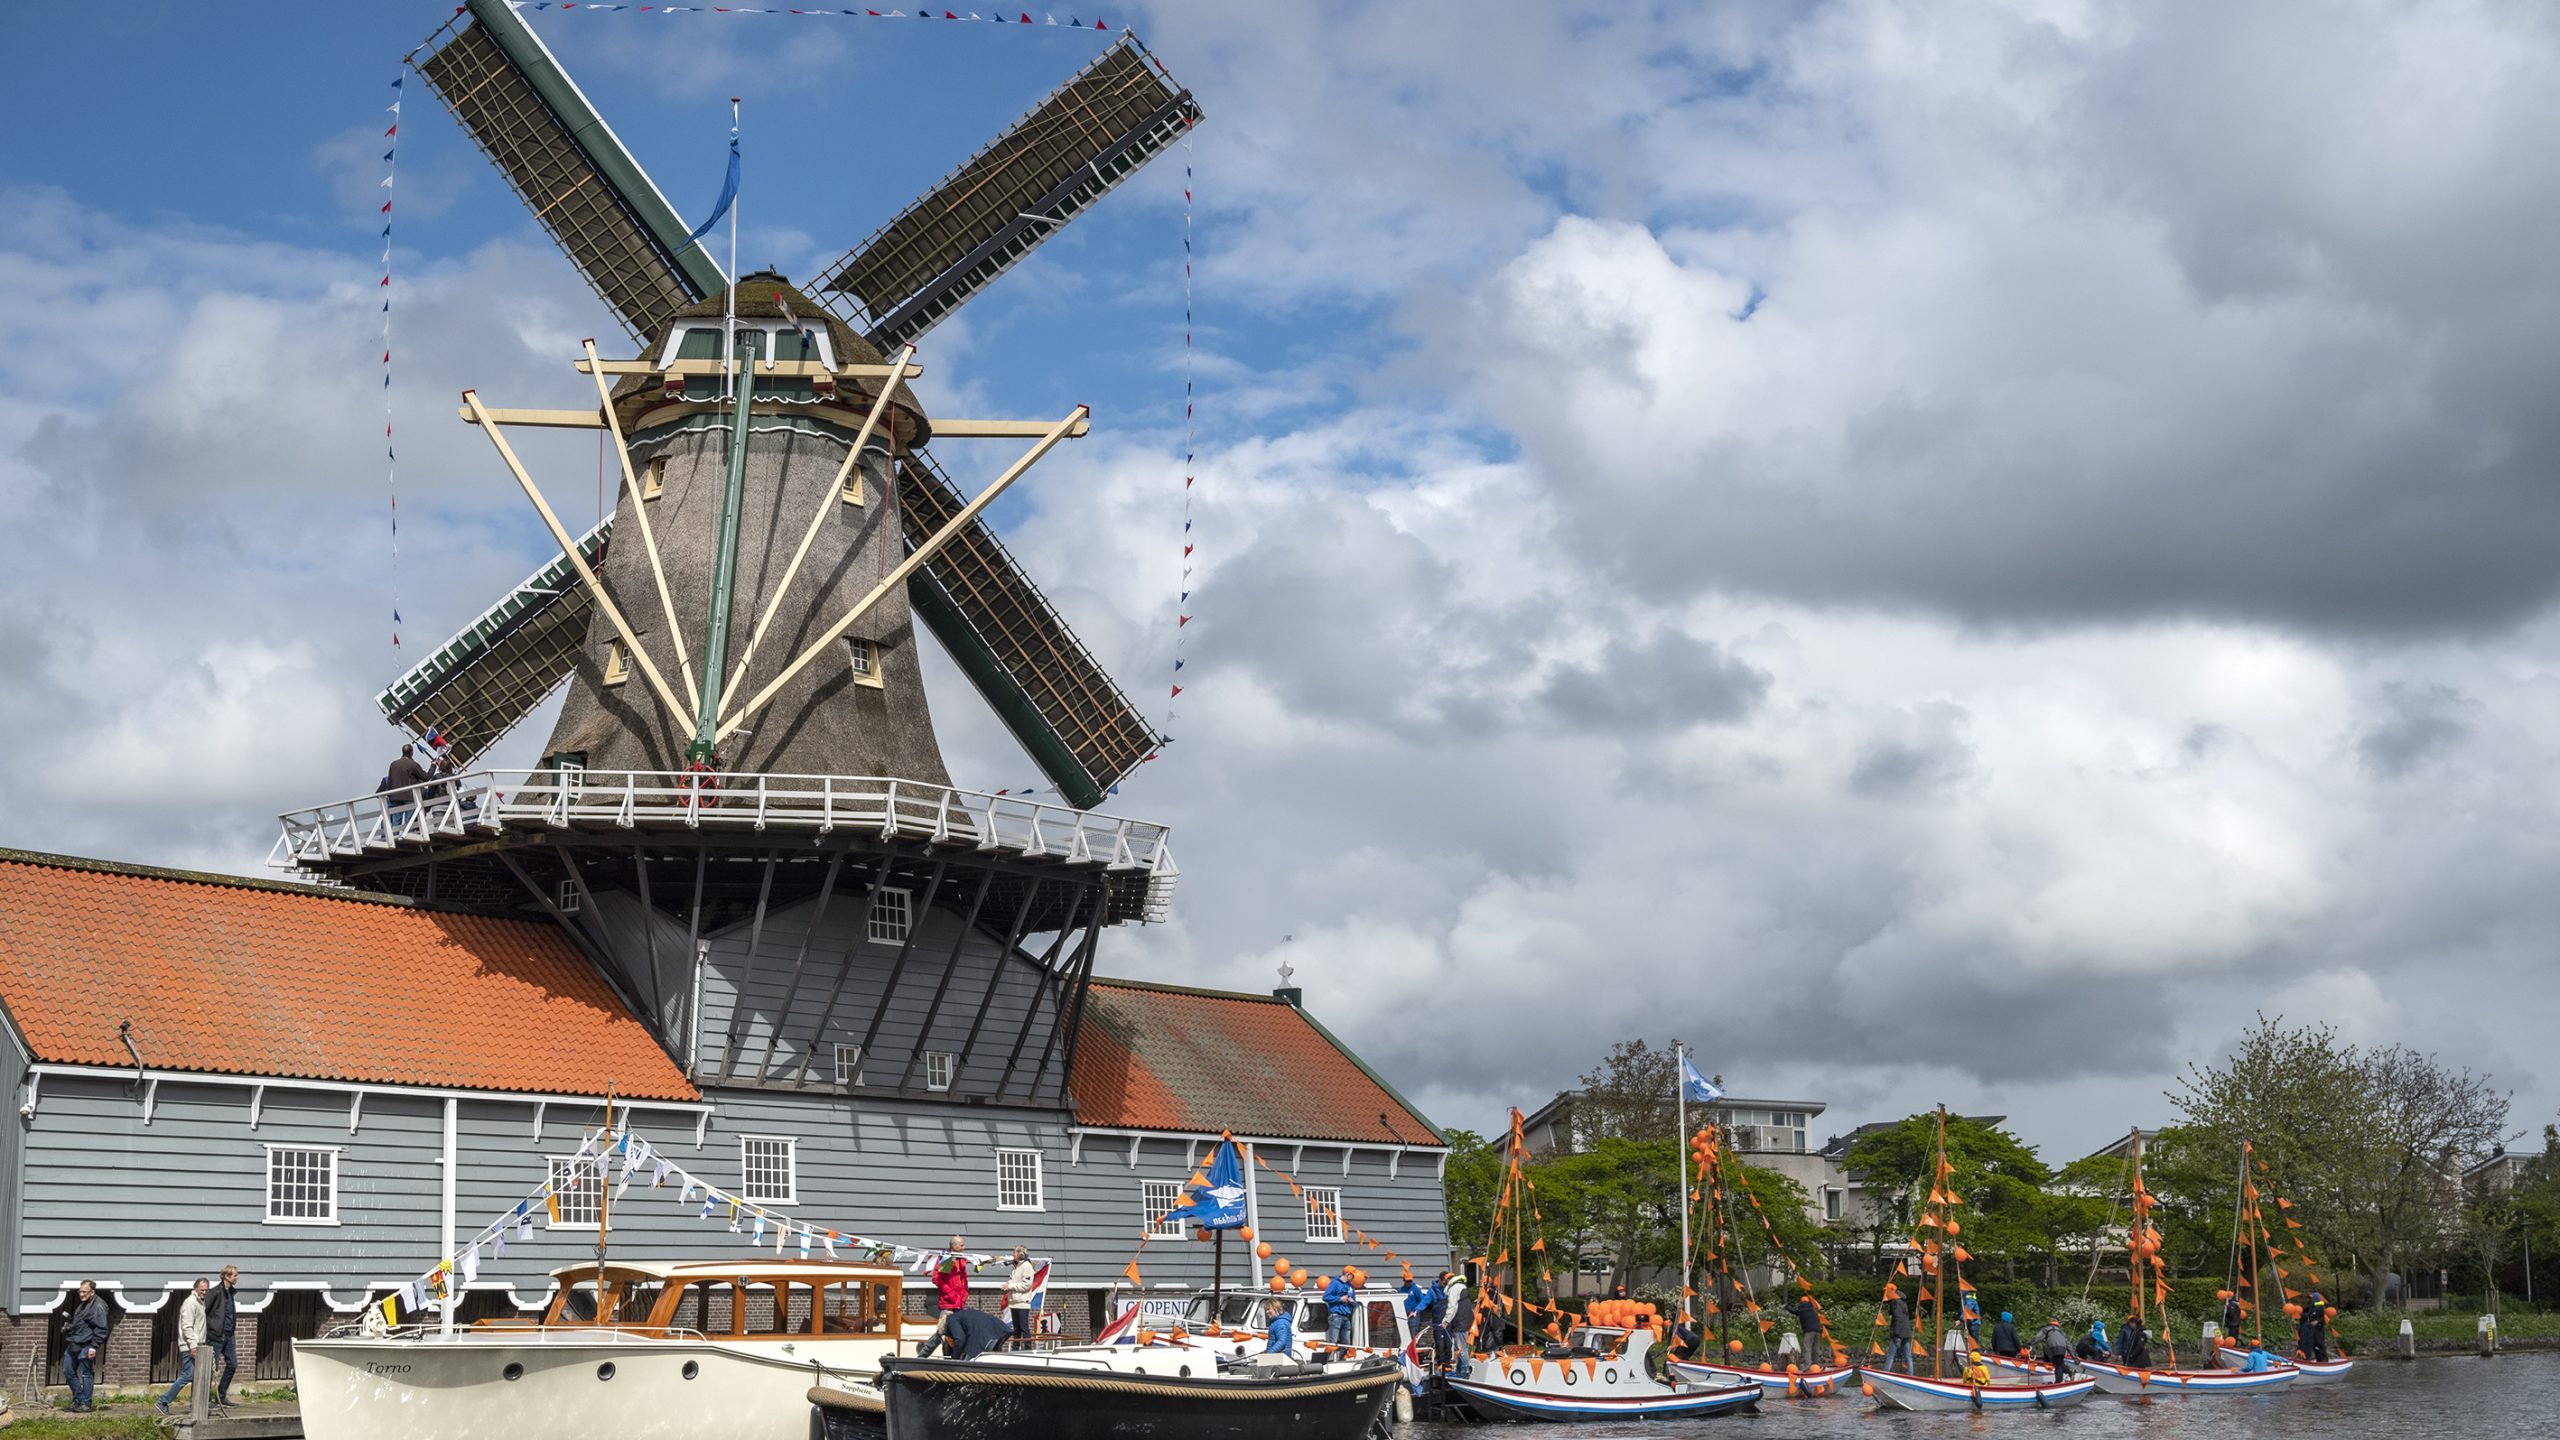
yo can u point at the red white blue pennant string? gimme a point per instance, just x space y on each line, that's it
1190 474
1019 17
390 451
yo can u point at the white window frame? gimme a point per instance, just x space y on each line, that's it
275 1150
893 914
653 478
848 1076
862 657
790 1170
1331 1198
576 1165
617 662
1018 1162
944 1061
571 902
1155 1197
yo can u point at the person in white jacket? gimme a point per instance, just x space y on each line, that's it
190 1336
1019 1283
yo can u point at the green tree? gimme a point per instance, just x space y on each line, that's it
2001 1180
1471 1181
1629 1097
1616 1201
1790 1218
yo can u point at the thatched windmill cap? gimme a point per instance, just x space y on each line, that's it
761 296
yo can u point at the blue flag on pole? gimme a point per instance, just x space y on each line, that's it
1218 1205
728 192
1696 1086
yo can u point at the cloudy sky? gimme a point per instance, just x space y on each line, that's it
1935 552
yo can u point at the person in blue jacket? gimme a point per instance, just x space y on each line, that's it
1280 1330
2259 1361
1339 1301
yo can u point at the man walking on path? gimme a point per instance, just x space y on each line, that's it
190 1336
221 1318
82 1338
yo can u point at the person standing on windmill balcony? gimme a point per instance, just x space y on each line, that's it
404 774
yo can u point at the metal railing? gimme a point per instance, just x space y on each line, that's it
488 802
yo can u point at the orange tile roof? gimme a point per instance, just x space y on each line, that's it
1166 1057
249 977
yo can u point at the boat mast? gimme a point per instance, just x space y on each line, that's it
2239 1221
1519 1257
604 1201
1679 1139
1938 1293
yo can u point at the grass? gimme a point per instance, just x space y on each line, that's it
118 1417
2375 1329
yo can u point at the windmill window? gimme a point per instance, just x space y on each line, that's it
937 1069
617 663
653 478
863 657
1324 1212
569 897
848 1065
1157 1197
1018 1180
893 913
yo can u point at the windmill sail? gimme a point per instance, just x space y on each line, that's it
481 683
1037 676
1069 151
523 110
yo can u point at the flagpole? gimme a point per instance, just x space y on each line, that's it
1680 1142
729 315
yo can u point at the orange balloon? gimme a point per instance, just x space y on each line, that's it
1282 1265
1298 1278
1263 1250
1279 1283
1733 1347
1245 1231
1953 1228
1866 1387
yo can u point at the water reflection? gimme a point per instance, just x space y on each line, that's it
2513 1397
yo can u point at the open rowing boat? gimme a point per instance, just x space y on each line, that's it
1794 1384
2311 1369
1919 1392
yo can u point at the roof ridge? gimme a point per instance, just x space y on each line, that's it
51 861
1203 990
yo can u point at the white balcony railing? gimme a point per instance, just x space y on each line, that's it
489 802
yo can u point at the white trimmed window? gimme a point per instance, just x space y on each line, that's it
1158 1196
848 1065
892 912
937 1069
302 1185
1018 1180
653 480
863 658
1324 1212
578 1190
617 662
768 1169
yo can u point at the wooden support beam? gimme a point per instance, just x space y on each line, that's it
897 577
826 507
1071 1000
986 998
862 924
1049 987
586 573
540 419
1092 948
712 369
942 987
1003 429
799 963
740 998
648 537
917 908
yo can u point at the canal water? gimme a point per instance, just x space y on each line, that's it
2513 1397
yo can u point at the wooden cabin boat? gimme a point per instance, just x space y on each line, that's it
2312 1370
1895 1391
1597 1374
661 1351
1103 1392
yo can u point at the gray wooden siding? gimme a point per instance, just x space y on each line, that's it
154 1206
13 1156
839 989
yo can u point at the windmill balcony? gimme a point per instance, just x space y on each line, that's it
482 804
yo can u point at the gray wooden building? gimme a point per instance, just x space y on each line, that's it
213 1070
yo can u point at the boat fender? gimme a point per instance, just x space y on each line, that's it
2040 1401
1404 1406
1186 1372
1519 1376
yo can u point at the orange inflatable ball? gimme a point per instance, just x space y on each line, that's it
1866 1387
1954 1228
1279 1283
1244 1232
1733 1347
1765 1370
1298 1278
1263 1250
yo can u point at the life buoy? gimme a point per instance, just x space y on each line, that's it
1568 1374
1519 1376
1612 1376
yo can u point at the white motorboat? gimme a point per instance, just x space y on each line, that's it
667 1351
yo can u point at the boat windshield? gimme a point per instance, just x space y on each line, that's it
632 1302
1233 1310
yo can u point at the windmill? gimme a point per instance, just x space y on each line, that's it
743 804
559 155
